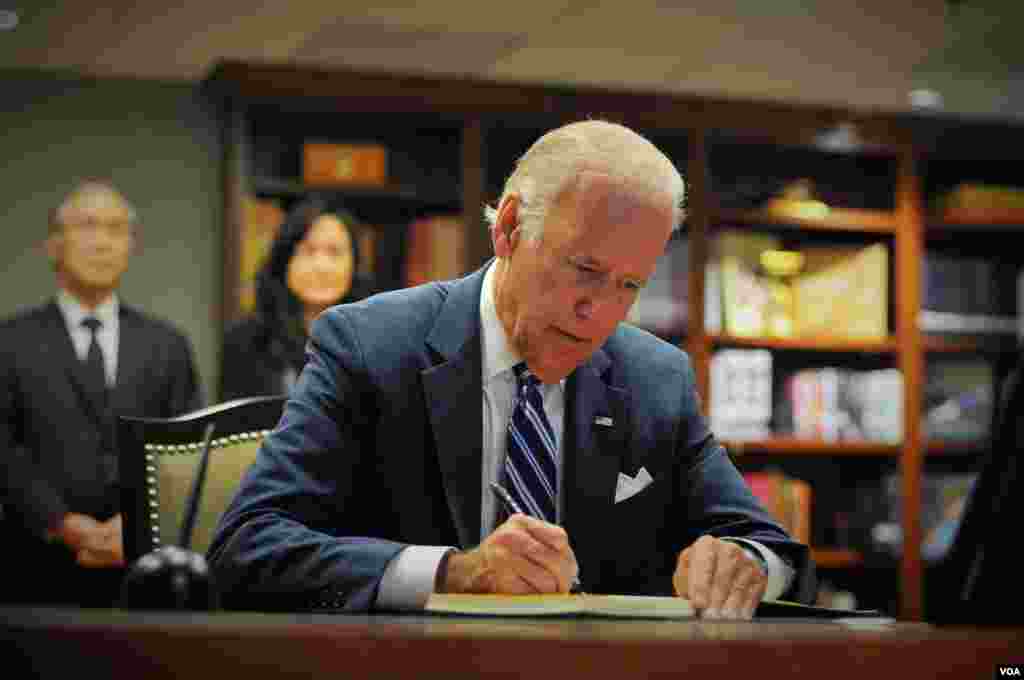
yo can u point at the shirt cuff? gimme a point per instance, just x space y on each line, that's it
780 574
408 579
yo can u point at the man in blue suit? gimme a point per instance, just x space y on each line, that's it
374 489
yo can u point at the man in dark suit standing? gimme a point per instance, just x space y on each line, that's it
68 368
375 488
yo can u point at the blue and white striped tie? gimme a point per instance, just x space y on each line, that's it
531 463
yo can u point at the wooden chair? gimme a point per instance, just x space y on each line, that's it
159 459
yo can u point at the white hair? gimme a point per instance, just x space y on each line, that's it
554 162
82 193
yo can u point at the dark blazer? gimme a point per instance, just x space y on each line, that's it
250 366
380 446
57 448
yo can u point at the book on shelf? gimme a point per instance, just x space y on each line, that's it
325 164
366 239
661 306
744 290
930 321
261 219
955 284
943 498
787 499
712 297
959 398
435 250
741 393
843 291
835 404
968 295
970 202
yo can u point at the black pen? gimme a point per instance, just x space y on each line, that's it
506 497
513 507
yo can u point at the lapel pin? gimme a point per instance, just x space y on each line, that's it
604 421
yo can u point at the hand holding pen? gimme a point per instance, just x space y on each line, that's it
513 508
524 555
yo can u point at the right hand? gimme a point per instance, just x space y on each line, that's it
523 555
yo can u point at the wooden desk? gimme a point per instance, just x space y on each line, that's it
118 644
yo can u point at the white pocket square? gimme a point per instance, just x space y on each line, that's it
627 487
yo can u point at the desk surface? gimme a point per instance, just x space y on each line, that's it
119 644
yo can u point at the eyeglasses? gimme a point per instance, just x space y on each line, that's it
92 227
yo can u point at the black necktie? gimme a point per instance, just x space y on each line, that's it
94 364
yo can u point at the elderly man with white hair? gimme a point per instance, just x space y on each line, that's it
374 490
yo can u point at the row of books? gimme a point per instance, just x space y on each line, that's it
962 294
787 499
826 290
970 202
837 404
834 404
871 521
943 497
959 398
839 291
824 404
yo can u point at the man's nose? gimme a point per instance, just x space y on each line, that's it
591 306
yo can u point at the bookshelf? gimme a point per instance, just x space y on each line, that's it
834 558
809 447
836 219
454 140
817 344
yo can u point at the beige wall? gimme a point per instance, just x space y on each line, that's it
159 143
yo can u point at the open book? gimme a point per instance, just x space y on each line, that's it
614 606
623 607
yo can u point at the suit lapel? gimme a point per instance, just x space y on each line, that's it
131 361
452 391
594 449
61 348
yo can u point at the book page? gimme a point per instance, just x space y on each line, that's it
504 605
638 606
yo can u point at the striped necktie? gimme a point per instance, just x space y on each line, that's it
531 462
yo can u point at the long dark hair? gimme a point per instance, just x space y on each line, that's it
277 306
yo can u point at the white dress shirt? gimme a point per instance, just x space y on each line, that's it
107 335
409 578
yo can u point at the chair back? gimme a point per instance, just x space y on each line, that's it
158 461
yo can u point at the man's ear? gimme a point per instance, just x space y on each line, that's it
51 247
135 246
505 232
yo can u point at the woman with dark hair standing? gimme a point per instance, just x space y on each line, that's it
311 266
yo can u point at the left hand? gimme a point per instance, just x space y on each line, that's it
105 547
720 579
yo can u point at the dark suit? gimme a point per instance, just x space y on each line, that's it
58 449
380 446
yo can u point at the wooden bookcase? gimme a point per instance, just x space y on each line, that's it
458 138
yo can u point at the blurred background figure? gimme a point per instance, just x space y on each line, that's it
68 368
312 264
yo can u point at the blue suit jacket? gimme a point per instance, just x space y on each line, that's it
379 447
